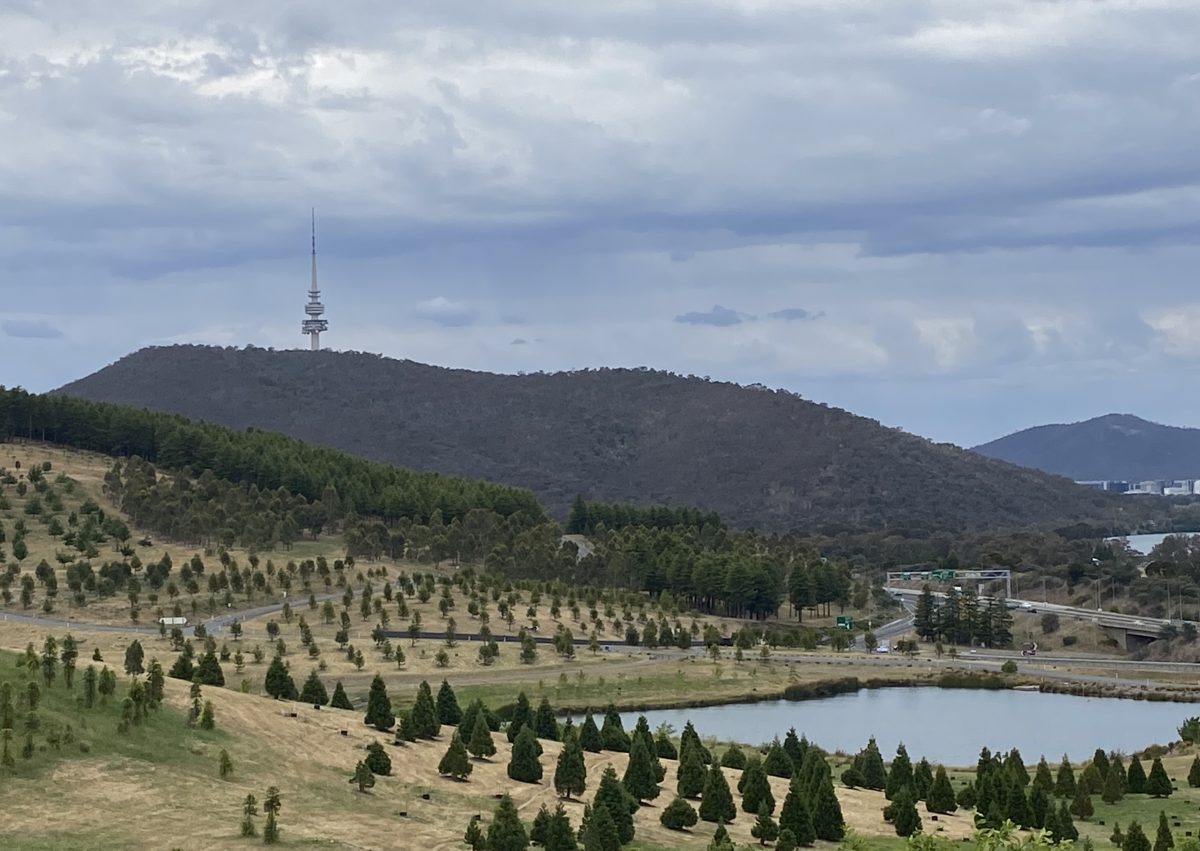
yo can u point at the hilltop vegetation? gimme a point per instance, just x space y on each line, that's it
1114 446
761 458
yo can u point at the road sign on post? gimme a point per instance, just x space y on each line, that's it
845 622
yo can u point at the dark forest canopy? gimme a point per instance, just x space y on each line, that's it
761 458
264 459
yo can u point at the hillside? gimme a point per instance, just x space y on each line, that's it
1114 446
761 458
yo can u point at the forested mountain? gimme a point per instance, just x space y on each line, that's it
762 458
1114 446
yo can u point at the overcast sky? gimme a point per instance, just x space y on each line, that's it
960 218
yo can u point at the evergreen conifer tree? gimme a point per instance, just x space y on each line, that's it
363 777
1158 785
678 815
506 833
1100 760
786 841
1015 766
1135 777
474 836
448 711
1016 804
455 762
796 817
734 757
589 735
778 763
717 801
689 735
570 773
1193 778
755 787
905 817
1064 783
1039 806
339 699
874 773
764 828
1113 787
540 826
525 765
612 733
922 779
599 831
481 745
611 796
1081 806
544 725
720 840
828 821
314 691
900 774
1135 838
941 794
378 760
278 682
1042 776
522 716
423 715
1091 780
1163 840
559 834
1064 828
663 746
208 671
379 706
690 774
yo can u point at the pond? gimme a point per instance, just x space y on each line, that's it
944 725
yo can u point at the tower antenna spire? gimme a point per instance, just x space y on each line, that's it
314 324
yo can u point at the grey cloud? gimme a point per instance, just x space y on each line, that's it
792 314
31 329
718 316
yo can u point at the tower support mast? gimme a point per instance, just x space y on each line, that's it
315 323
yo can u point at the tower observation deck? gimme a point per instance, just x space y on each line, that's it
314 324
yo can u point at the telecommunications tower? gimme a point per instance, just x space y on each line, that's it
314 324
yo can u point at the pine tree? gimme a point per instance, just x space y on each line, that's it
455 762
525 766
1117 838
721 840
828 821
379 706
786 841
689 735
448 711
611 795
134 656
474 836
1091 780
1082 807
1100 760
481 745
313 691
1064 784
1113 786
941 794
1158 785
734 757
363 777
570 773
278 682
796 817
1039 806
1115 764
589 735
678 815
1016 805
559 834
599 832
1193 777
900 774
544 725
339 699
249 810
663 746
506 833
1063 828
1135 838
1163 840
207 719
792 747
922 779
208 671
474 711
778 763
424 717
378 760
764 828
540 826
874 773
1015 766
1042 776
905 818
717 801
691 773
1135 777
225 765
755 787
612 733
522 716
